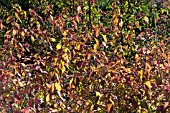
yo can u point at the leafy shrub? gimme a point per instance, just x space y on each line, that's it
75 57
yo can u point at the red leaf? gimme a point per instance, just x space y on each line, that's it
30 103
26 110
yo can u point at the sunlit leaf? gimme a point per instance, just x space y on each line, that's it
96 45
121 23
8 19
109 107
79 9
116 20
18 18
52 88
14 32
58 46
148 84
166 105
141 74
22 64
22 33
57 86
104 38
48 98
21 84
32 38
52 39
146 19
98 94
65 33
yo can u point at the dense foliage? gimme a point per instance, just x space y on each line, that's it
85 56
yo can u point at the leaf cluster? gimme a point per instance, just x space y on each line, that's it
73 56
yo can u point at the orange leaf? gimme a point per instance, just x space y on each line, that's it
116 20
166 105
109 108
52 88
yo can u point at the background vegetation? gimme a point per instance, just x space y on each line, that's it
84 56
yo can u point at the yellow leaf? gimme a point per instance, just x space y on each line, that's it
18 18
55 105
71 81
137 58
8 19
104 38
22 33
52 88
121 23
92 106
148 83
22 64
53 39
98 94
65 32
141 74
23 75
21 84
146 19
63 69
96 46
48 98
57 86
58 46
32 38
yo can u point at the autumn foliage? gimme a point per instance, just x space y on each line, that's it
74 56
